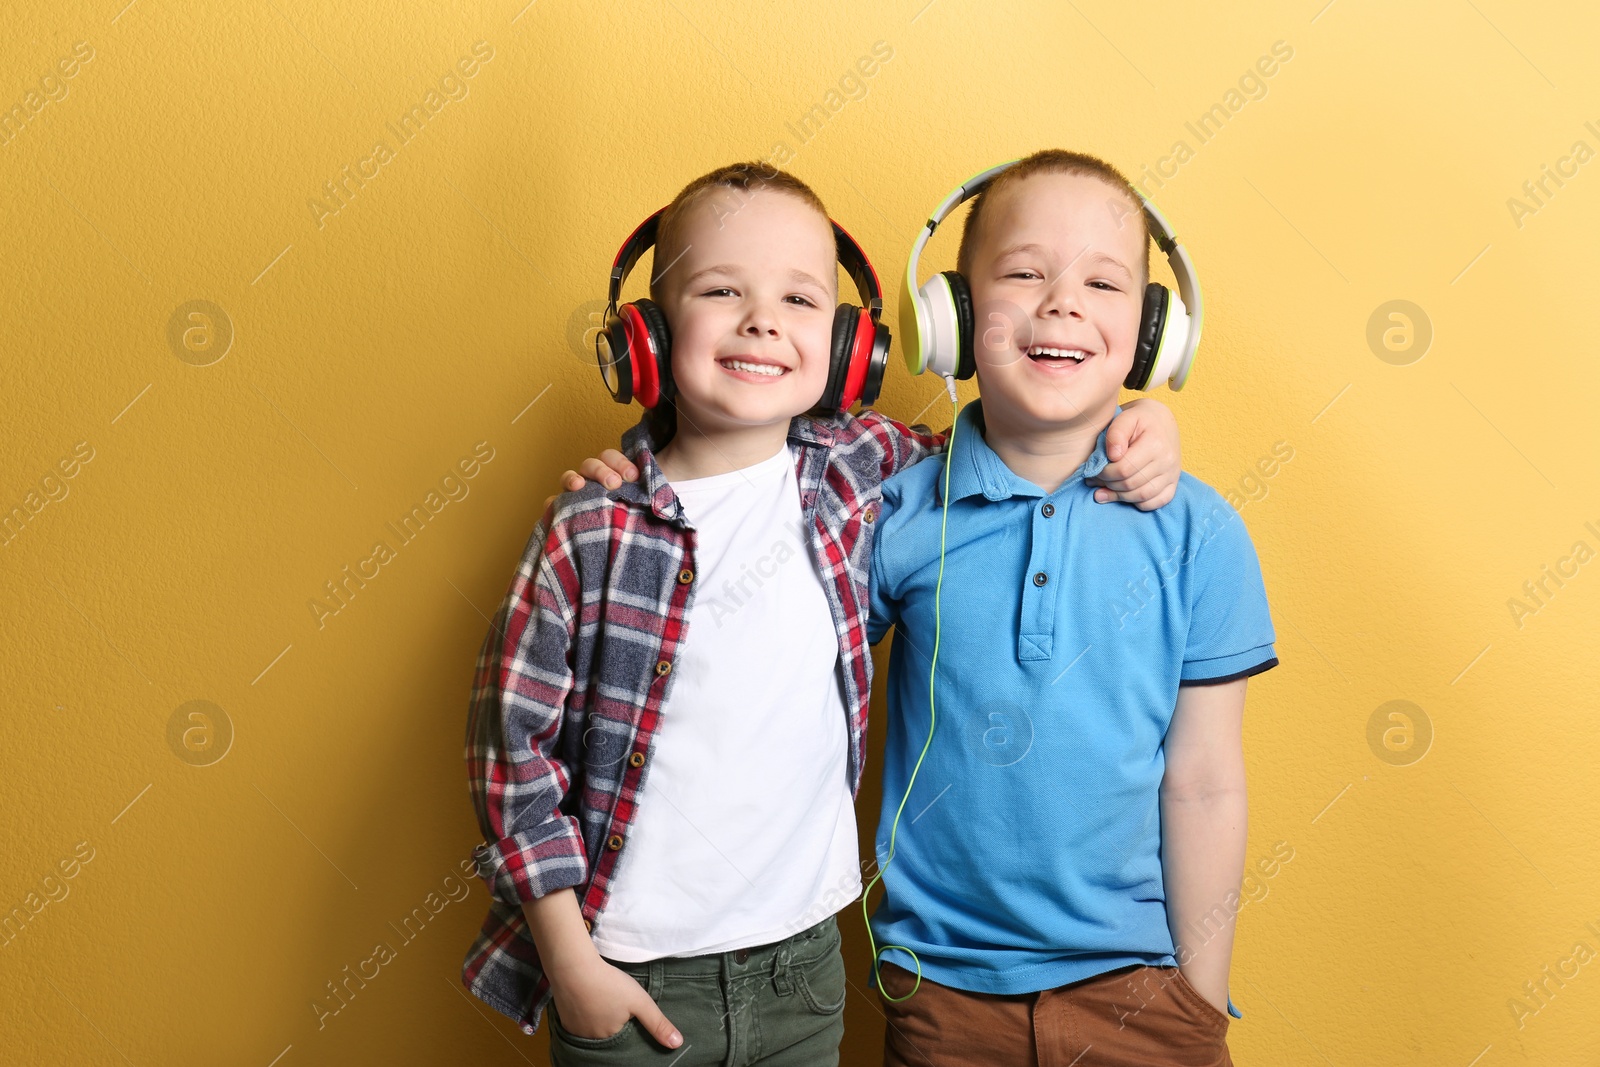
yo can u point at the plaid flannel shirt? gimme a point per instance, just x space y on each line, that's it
577 667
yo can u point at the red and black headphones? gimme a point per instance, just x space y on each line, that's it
634 348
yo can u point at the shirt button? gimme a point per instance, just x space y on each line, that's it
869 515
1040 578
663 668
1048 510
636 760
587 925
614 842
685 576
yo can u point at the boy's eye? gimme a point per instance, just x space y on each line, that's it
803 301
1023 274
1106 285
719 291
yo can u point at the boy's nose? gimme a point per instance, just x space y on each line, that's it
760 323
1057 306
1059 299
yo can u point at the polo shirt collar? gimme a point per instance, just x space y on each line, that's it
652 490
976 469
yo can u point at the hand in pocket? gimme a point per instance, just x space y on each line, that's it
597 1001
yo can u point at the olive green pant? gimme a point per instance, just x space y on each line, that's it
779 1005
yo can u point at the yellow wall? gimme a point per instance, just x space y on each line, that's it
374 347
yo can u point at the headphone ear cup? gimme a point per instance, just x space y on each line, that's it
1152 323
841 348
961 295
1174 354
939 327
657 351
867 354
611 352
872 340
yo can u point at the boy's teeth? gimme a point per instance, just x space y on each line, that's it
754 368
1059 353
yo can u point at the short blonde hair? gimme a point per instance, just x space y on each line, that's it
1050 161
744 177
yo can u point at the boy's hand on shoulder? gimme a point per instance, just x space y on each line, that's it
1142 445
595 1000
610 469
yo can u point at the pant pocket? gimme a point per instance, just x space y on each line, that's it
895 984
1143 1016
820 980
1219 1019
570 1050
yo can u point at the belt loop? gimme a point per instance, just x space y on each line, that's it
658 978
781 979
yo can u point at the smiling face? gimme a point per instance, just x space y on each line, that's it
1057 277
750 302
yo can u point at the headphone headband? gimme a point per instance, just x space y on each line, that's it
642 237
1188 285
856 264
968 189
916 340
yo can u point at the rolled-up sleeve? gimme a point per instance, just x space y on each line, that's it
519 691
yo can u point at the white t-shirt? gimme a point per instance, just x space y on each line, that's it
746 830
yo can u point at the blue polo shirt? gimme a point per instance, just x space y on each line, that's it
1029 853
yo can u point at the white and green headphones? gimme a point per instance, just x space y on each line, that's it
936 319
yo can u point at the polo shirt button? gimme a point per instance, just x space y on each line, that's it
742 956
1040 578
1048 510
636 760
614 842
663 668
685 576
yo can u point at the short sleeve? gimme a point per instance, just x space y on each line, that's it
1230 627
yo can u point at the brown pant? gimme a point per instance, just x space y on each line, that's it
1130 1017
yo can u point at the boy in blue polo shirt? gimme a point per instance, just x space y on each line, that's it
1067 871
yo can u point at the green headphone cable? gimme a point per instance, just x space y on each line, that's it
894 826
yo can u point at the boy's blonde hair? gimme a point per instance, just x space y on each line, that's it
1051 161
746 179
